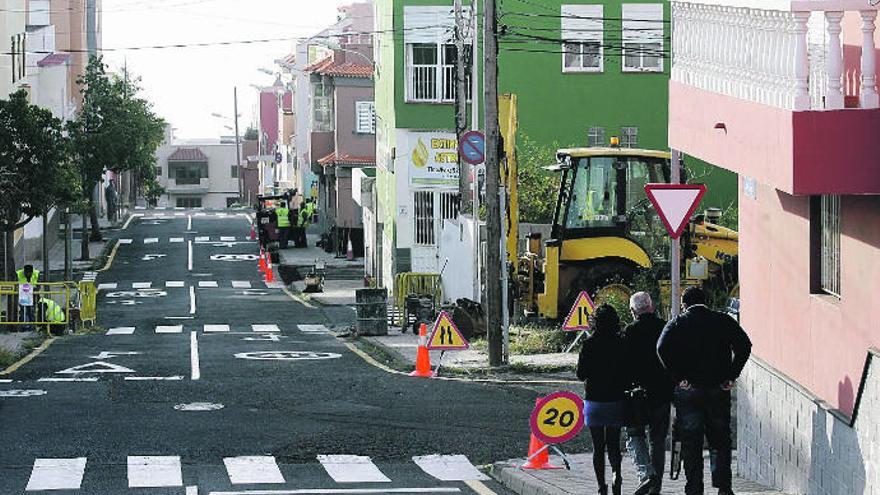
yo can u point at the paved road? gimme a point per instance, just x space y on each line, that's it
189 321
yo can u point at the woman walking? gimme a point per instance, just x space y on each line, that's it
601 366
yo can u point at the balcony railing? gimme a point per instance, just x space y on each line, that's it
189 185
790 59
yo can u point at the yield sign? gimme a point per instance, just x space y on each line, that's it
675 203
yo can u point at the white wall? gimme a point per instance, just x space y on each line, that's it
457 246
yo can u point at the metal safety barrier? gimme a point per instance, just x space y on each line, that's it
411 283
76 302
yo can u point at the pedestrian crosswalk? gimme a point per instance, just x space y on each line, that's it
259 328
198 240
202 284
165 471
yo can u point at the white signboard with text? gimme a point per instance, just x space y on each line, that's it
433 158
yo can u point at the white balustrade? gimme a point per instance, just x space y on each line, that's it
765 55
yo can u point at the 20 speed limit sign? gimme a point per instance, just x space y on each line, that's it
557 418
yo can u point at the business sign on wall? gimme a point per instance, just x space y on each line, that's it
433 158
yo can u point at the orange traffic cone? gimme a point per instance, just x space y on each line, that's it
262 264
423 358
539 454
270 277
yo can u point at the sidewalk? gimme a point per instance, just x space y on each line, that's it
581 479
342 277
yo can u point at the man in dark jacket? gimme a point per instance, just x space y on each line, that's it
648 449
704 351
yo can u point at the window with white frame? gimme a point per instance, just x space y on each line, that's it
629 137
643 42
430 54
829 245
596 137
322 105
366 117
583 32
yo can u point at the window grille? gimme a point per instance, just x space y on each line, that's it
431 72
629 137
830 244
423 202
449 203
596 137
366 117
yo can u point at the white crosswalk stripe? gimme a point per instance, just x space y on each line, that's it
174 283
275 285
253 470
227 238
141 285
154 471
169 328
352 469
151 240
265 328
121 331
208 284
241 284
175 239
125 241
216 328
449 467
107 286
313 329
56 474
203 239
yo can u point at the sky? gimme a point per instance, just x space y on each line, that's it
188 84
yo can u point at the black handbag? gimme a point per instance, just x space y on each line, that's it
635 407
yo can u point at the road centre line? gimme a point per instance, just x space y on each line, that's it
342 491
192 300
189 222
63 380
152 378
189 256
194 355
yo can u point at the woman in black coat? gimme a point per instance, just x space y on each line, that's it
601 366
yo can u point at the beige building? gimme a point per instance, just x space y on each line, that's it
198 173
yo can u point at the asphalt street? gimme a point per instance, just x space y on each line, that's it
206 380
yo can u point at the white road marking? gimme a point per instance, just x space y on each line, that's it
449 467
179 214
198 407
241 284
153 378
174 283
189 256
253 470
95 367
22 393
5 380
192 300
161 207
313 329
202 239
265 328
189 222
216 328
194 355
125 241
178 208
192 490
352 469
107 286
169 329
61 380
342 491
151 240
57 474
227 239
154 471
208 284
275 285
175 240
113 354
140 207
141 285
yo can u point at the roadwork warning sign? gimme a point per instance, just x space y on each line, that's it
579 316
446 336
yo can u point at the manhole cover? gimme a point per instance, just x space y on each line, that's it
199 406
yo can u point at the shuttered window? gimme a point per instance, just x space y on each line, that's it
366 117
643 43
582 30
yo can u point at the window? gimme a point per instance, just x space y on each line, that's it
19 56
185 202
158 171
424 218
596 137
431 54
582 30
629 137
828 253
233 172
366 117
594 194
188 173
322 103
643 47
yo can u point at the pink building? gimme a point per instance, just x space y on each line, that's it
784 93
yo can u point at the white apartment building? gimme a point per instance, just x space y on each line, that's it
198 173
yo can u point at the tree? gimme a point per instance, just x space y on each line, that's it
537 187
114 130
35 174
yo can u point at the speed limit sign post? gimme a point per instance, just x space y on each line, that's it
557 418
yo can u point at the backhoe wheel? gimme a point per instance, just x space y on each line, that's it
605 283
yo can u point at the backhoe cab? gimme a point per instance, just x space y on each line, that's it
605 231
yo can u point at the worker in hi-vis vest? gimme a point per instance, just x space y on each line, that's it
53 314
282 214
28 278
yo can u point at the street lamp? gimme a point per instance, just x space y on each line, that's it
237 139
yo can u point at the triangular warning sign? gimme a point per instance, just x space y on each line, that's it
445 336
579 316
96 367
675 203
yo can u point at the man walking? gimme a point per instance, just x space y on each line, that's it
648 448
705 352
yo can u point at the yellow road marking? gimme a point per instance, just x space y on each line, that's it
130 218
479 487
298 298
109 259
23 361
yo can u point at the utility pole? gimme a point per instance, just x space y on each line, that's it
237 144
675 255
460 102
493 177
475 126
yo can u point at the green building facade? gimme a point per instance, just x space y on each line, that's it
583 71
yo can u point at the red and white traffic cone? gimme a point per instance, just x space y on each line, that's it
270 276
262 264
423 357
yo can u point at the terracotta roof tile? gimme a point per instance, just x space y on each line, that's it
333 159
320 64
188 155
53 59
347 69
